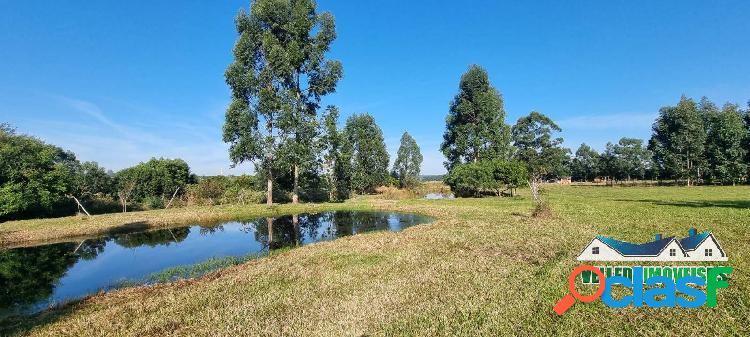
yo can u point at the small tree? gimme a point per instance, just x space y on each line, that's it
154 181
124 192
543 155
469 180
365 148
510 174
408 162
90 179
609 163
336 167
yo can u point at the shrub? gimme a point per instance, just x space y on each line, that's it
242 196
101 204
153 202
468 180
486 177
210 190
510 174
394 193
217 190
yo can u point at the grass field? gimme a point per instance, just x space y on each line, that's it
483 268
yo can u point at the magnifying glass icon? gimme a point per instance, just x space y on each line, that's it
566 302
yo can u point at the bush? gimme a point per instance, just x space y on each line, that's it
242 196
468 180
209 191
153 202
511 174
101 204
486 178
225 190
394 193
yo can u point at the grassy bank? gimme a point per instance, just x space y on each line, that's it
484 268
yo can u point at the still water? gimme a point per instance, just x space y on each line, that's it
34 278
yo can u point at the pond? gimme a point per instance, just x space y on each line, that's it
34 278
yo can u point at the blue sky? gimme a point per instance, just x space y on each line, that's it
119 82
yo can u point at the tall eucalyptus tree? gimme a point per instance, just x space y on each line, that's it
277 78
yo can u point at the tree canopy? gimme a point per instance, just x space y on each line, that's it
365 148
486 177
91 179
725 150
632 160
271 119
35 177
336 162
155 181
408 162
475 128
678 141
585 164
535 146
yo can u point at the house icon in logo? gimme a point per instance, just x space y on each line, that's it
694 247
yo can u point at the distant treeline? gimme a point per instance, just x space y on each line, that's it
692 142
43 180
40 180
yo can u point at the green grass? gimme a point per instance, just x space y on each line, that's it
195 270
485 267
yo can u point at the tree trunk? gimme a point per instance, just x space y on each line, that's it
269 191
173 195
269 221
80 205
123 202
534 185
295 192
295 222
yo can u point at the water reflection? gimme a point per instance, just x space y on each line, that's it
153 238
33 278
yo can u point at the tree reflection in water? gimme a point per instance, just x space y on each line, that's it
153 238
29 276
295 230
